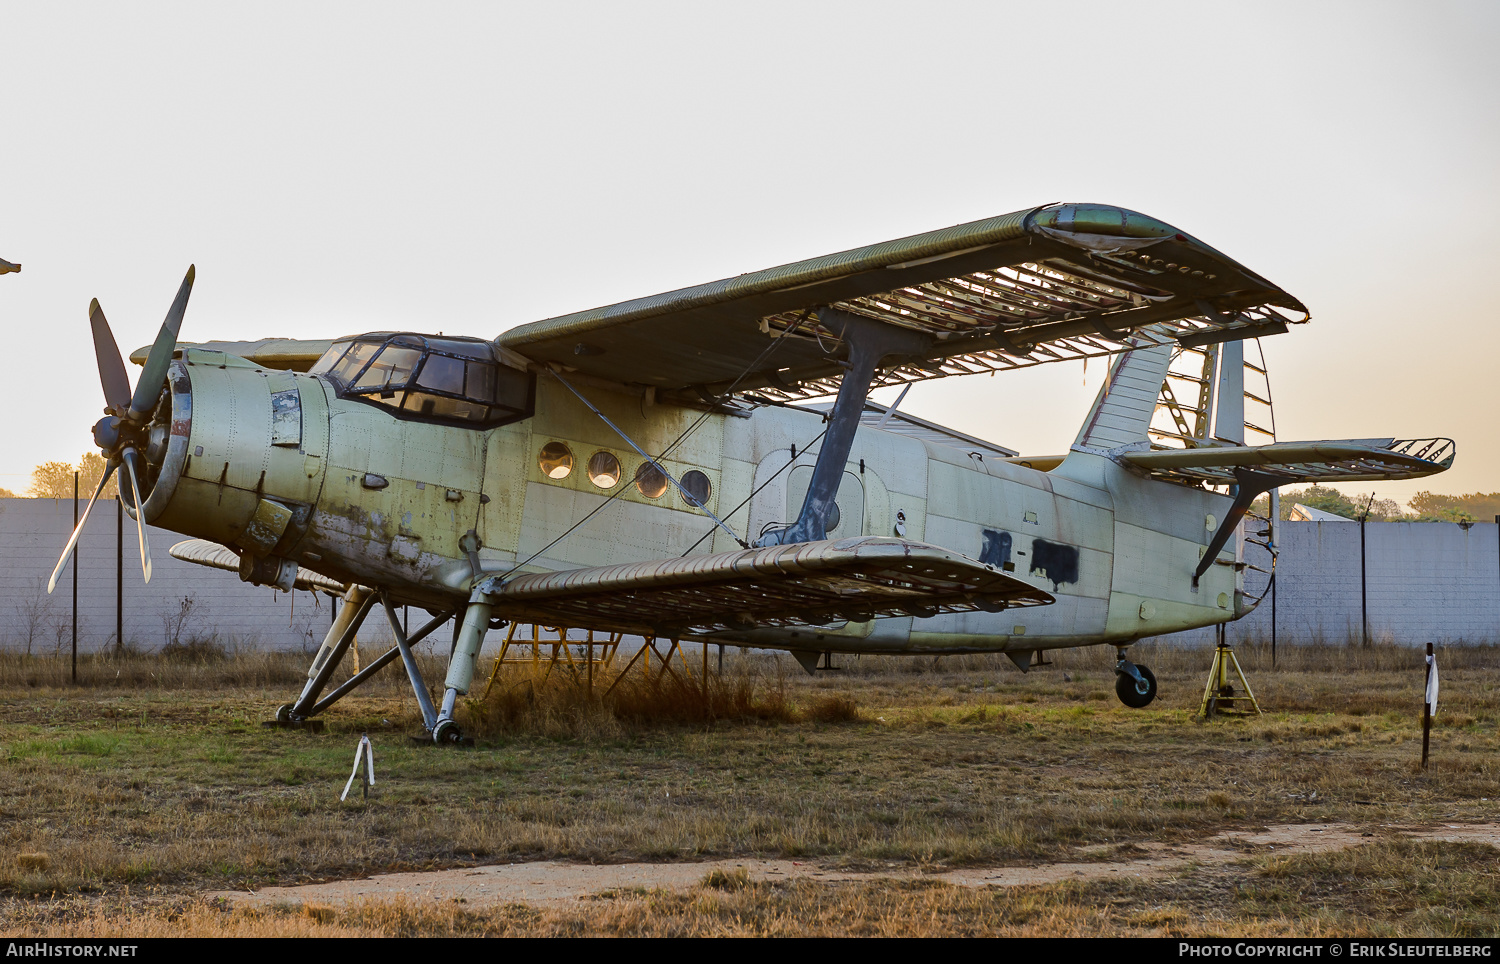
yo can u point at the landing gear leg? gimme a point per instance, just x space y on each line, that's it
461 665
1134 685
357 602
409 660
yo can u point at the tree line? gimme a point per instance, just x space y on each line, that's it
1423 507
54 480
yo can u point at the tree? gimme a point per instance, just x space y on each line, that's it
1319 497
7 494
1432 507
91 468
1332 500
33 613
52 480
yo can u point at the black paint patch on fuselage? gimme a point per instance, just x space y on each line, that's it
996 551
1058 561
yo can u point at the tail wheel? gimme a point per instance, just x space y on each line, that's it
1130 691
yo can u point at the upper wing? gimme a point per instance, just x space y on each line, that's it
807 583
295 354
1352 460
1047 284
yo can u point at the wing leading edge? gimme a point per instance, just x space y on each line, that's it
1047 284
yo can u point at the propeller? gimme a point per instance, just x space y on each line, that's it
121 434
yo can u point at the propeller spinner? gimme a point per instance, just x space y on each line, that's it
123 432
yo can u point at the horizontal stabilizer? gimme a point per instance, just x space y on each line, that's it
801 584
211 554
1350 460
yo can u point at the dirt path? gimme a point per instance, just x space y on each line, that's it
547 881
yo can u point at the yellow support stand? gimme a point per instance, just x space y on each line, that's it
1219 697
601 652
596 652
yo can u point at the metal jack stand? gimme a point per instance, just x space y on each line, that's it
1219 696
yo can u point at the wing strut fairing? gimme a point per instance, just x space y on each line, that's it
805 584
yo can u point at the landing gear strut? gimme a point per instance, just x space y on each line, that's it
358 602
1134 685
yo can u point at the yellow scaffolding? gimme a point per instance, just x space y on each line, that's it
549 645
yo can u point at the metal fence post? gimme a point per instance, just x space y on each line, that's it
75 581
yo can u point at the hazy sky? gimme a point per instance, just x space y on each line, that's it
470 167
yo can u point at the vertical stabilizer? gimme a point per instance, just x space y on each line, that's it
1121 413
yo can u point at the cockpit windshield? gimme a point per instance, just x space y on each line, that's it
445 379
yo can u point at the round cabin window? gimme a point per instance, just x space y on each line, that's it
604 470
651 480
556 460
695 488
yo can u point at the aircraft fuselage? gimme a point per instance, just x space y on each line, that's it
274 462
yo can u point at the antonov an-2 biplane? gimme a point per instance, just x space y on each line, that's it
652 467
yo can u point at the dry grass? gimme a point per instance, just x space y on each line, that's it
527 700
1384 889
155 779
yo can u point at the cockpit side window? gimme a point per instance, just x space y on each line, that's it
352 363
330 357
437 379
389 372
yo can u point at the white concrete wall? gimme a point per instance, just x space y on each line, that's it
32 535
1425 582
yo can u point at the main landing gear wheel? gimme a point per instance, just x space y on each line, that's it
1133 692
284 714
447 732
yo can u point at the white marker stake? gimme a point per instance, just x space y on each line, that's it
367 752
1429 702
1432 686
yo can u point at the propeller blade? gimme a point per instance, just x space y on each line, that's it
154 374
128 456
111 368
73 539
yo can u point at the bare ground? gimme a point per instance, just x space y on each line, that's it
550 881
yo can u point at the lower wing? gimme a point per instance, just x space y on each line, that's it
802 584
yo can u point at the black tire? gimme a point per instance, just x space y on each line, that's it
1128 692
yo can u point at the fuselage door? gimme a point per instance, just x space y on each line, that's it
850 502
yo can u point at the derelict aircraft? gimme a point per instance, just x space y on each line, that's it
647 468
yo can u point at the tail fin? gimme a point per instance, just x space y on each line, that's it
1121 413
